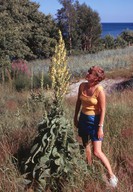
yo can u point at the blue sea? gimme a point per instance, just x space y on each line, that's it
115 29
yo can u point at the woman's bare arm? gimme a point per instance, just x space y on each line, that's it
102 105
77 108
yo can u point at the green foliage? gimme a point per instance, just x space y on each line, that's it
109 42
127 36
13 42
21 82
120 42
43 35
38 81
80 25
89 27
66 21
54 159
25 32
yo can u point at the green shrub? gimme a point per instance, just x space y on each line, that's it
109 42
120 42
21 82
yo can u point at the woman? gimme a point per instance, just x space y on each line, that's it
91 99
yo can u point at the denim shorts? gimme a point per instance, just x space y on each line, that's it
88 127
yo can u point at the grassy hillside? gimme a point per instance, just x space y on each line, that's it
22 111
109 60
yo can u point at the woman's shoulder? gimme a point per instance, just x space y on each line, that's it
82 85
98 89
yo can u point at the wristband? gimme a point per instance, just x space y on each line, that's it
100 125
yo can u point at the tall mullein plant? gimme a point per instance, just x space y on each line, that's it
59 72
54 160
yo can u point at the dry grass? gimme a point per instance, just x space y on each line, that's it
117 145
119 137
16 139
18 127
122 73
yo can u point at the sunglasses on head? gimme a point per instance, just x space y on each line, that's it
91 70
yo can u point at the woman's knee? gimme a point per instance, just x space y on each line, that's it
97 153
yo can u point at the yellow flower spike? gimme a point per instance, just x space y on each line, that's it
59 70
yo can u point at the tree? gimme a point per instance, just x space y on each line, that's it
66 22
26 32
43 35
89 27
15 28
127 36
109 42
120 42
11 42
82 25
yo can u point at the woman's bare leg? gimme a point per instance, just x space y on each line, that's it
88 153
98 152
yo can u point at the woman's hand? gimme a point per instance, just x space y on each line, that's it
100 133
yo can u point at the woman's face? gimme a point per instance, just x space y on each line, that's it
91 76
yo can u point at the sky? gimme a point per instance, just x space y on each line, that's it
108 10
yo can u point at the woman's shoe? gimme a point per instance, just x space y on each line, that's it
113 181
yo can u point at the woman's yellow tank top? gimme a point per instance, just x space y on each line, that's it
90 105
